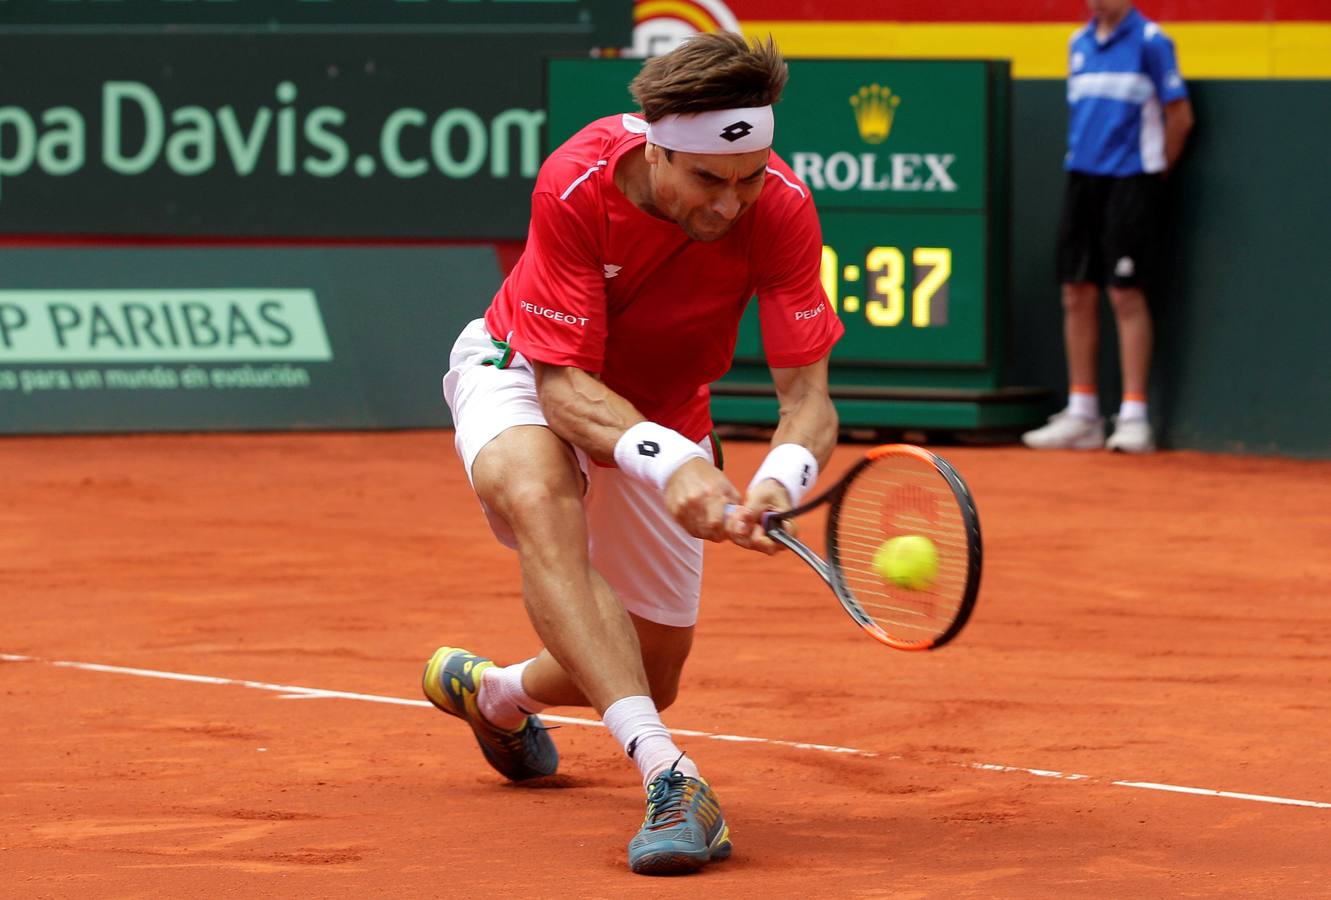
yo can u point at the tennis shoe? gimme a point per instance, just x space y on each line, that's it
452 680
683 829
1067 432
1132 436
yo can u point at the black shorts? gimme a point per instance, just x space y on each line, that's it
1110 230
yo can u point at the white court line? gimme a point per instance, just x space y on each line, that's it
295 692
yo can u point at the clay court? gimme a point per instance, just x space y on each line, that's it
1139 706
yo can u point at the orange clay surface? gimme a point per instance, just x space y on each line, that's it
1163 619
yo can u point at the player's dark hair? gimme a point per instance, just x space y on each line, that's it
717 70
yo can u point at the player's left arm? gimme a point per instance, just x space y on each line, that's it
807 424
807 417
1161 65
1178 123
799 328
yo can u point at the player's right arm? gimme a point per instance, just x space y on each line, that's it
559 325
582 410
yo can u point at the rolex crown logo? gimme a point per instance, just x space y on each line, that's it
875 105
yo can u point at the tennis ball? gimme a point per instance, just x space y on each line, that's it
909 561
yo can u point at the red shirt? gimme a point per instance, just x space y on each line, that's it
615 291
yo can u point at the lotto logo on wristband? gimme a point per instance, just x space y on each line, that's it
804 477
651 453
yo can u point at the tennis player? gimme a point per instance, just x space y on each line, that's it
581 408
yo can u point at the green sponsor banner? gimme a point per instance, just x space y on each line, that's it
410 134
609 22
129 326
218 339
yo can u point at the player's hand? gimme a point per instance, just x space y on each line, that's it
696 496
745 527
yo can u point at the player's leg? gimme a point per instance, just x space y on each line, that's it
1081 340
1078 426
664 650
1136 334
655 568
1132 428
527 481
531 487
493 403
531 480
1130 241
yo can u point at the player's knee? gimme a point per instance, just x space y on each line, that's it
532 498
1127 302
664 652
664 694
663 679
1079 298
532 491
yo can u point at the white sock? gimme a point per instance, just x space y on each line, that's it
637 726
501 698
1084 404
1132 410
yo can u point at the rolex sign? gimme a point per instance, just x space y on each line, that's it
887 134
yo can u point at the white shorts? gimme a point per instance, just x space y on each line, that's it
653 565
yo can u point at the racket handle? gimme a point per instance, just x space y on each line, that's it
765 521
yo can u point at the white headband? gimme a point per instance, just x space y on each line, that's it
715 131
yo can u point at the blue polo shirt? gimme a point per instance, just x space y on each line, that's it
1117 90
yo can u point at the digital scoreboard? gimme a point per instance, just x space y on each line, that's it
907 162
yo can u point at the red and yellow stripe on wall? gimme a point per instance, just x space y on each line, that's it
1215 38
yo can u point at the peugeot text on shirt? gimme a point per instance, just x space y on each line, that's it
810 313
552 314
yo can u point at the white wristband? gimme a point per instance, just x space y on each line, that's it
793 466
651 453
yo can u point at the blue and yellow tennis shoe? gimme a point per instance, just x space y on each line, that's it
451 682
683 830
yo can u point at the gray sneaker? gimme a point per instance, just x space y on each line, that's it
1067 432
683 830
1132 436
451 682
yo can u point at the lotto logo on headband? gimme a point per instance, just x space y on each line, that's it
736 130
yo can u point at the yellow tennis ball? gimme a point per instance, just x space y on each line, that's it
909 561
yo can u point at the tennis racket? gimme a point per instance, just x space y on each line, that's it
896 490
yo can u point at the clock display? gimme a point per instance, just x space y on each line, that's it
910 287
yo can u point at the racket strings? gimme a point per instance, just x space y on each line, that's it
894 497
